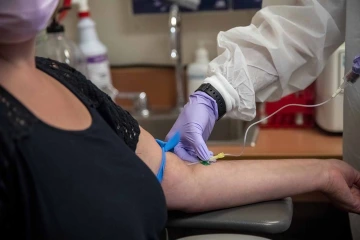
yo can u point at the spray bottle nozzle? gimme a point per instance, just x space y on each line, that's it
55 26
83 5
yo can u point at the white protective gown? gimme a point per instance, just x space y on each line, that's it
282 51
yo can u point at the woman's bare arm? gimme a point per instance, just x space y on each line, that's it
234 183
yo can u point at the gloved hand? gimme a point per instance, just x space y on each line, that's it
195 124
356 65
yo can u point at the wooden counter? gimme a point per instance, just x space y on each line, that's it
289 143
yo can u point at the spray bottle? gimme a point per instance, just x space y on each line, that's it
94 50
196 71
54 44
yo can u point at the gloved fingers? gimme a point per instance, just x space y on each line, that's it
181 152
201 149
191 151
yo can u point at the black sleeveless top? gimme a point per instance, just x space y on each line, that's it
89 184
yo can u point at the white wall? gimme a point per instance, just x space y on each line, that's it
144 39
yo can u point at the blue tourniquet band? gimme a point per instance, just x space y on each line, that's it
166 147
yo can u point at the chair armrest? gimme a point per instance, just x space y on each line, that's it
266 217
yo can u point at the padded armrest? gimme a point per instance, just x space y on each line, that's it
267 217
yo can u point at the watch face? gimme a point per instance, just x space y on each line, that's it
162 6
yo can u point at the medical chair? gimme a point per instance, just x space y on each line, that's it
251 222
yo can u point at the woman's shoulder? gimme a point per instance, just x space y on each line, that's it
16 121
118 119
72 79
61 72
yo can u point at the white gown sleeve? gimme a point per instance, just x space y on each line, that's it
282 51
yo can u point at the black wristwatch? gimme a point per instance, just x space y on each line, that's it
212 92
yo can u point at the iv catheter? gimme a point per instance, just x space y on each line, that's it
350 78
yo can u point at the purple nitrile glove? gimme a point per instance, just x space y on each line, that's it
195 124
356 65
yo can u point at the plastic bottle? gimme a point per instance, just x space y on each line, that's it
55 45
95 51
196 71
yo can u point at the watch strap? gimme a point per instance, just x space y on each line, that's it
212 92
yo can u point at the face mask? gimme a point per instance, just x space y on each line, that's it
21 20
